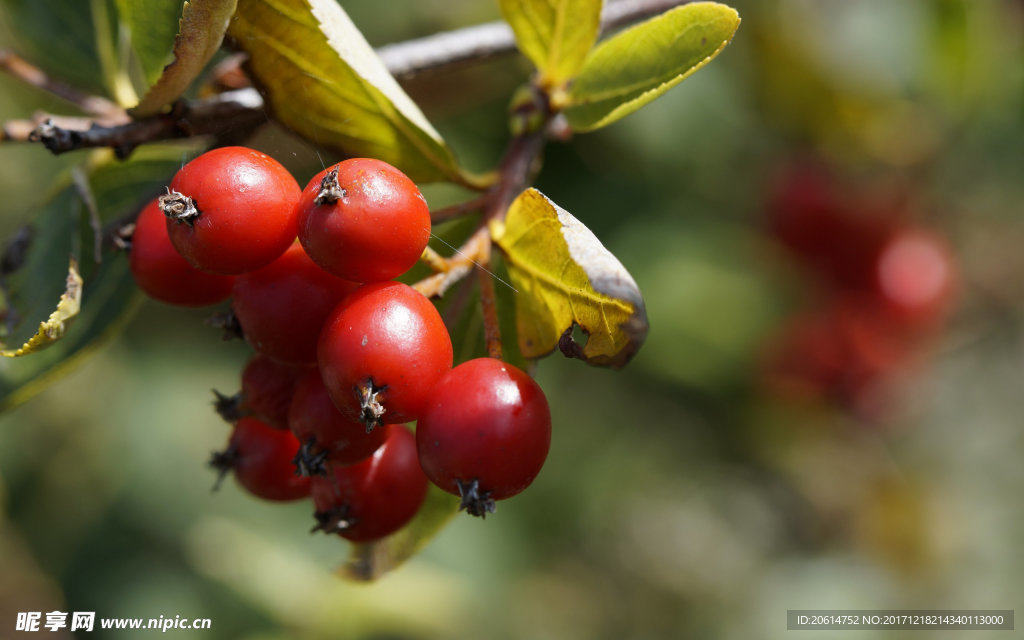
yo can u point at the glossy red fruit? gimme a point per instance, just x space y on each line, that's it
231 210
485 433
162 273
267 389
261 459
381 351
326 435
282 306
363 220
373 498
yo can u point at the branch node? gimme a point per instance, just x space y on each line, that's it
56 139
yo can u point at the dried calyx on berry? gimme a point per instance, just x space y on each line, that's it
333 520
178 207
223 462
371 410
330 191
473 501
261 458
230 408
311 459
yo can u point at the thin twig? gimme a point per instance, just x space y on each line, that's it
245 107
28 73
226 112
458 266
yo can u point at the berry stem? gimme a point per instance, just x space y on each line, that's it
457 267
434 260
460 209
492 327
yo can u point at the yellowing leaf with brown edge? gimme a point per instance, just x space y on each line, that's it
565 277
200 32
53 328
325 82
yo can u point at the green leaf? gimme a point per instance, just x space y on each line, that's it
556 35
636 66
200 32
38 303
149 27
324 81
566 278
58 37
113 53
371 560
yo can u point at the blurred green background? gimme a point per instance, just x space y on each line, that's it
683 496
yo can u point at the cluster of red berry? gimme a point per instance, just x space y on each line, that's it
344 354
886 286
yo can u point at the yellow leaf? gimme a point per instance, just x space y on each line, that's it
200 32
556 35
566 277
53 328
324 81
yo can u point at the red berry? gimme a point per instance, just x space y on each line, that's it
261 458
485 433
282 306
363 220
915 275
805 212
325 434
380 352
162 273
811 215
267 389
844 352
375 497
231 210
